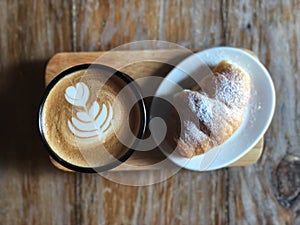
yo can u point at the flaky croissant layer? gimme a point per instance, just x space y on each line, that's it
211 114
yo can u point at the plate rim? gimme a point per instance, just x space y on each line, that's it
271 107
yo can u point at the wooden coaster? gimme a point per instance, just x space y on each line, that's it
147 63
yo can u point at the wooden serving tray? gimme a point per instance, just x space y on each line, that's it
146 63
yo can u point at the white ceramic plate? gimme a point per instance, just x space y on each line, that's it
257 117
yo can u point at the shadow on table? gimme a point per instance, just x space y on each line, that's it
21 88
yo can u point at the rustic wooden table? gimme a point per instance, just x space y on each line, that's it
33 191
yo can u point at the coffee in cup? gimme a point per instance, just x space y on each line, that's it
81 114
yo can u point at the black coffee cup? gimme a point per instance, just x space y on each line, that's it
51 106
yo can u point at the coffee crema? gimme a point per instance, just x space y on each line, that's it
82 113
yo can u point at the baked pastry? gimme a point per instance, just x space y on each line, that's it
211 114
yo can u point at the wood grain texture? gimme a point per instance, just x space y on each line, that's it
33 192
270 189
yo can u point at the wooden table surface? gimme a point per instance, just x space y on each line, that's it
35 192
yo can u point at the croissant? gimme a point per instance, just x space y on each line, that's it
211 114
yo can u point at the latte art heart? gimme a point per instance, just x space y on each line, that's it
77 95
89 122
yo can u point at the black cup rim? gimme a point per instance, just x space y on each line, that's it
128 153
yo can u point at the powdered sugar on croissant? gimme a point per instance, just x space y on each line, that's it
212 113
